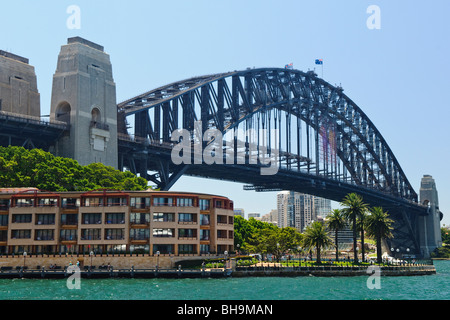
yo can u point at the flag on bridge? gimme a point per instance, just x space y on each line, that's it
289 66
319 61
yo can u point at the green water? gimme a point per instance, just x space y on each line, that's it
432 287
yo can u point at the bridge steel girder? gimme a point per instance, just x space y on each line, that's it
322 135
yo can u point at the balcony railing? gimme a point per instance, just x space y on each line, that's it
99 125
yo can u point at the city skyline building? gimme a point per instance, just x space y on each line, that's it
298 210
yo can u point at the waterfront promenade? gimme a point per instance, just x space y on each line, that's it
238 272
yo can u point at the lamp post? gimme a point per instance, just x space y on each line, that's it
157 260
91 254
24 257
278 254
226 258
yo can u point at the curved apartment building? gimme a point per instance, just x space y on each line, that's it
103 221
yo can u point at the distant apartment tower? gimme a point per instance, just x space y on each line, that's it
239 212
271 217
18 86
298 210
255 215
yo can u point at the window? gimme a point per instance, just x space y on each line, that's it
204 204
187 217
42 235
221 234
47 202
91 234
187 233
22 218
116 248
115 218
3 235
69 219
139 218
222 219
167 202
204 235
140 203
163 248
3 220
116 201
140 249
204 248
93 202
219 204
115 234
45 219
164 233
139 234
187 249
24 202
68 235
92 218
185 202
21 234
4 204
70 203
204 219
163 217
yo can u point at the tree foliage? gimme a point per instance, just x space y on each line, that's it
262 237
20 167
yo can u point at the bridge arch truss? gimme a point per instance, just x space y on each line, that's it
321 132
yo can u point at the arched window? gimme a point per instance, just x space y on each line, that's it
63 112
95 113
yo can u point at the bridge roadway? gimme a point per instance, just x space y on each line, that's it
155 153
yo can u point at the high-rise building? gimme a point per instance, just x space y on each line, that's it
255 215
239 212
298 210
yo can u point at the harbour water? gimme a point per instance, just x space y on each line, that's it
430 287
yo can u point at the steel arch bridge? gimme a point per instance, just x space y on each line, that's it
327 146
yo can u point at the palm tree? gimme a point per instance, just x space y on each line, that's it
361 224
379 227
316 236
336 222
353 207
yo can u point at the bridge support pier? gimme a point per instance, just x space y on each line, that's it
428 227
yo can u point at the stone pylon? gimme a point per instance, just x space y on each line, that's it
84 96
429 228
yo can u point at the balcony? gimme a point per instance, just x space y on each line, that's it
99 125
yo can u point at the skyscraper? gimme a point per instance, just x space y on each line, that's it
298 210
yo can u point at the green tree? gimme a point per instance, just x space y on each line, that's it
445 235
353 207
317 237
336 221
20 167
379 227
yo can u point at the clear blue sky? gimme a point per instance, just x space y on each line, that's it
398 74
